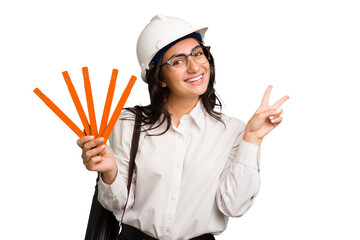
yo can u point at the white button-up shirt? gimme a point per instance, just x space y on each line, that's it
188 181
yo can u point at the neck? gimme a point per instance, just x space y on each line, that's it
178 108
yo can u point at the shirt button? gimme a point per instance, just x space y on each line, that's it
167 229
172 197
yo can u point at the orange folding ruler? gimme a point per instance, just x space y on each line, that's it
91 129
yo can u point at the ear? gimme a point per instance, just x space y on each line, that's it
162 84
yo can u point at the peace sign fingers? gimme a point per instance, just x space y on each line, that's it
265 119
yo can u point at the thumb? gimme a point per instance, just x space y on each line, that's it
107 151
270 112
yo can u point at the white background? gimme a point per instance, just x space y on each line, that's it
306 49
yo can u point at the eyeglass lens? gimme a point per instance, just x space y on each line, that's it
199 54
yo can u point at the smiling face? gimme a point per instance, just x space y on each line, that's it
190 83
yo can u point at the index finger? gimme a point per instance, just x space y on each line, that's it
265 100
81 141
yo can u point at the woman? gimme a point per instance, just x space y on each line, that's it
195 167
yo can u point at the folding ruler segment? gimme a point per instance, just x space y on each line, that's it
90 102
59 113
109 98
77 102
118 109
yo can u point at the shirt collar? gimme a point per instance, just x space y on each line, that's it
198 114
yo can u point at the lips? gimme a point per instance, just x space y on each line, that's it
195 80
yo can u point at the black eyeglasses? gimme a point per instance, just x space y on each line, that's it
180 61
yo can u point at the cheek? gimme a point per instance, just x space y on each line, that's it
208 72
165 77
170 78
207 67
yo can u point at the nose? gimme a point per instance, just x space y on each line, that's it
193 66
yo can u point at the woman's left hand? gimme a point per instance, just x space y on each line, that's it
265 119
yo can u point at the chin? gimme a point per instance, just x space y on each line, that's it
202 90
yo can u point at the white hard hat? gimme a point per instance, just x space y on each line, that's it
160 32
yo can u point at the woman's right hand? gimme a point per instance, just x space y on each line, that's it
98 158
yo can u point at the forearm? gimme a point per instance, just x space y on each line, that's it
112 196
239 182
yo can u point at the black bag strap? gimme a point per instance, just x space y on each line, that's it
133 151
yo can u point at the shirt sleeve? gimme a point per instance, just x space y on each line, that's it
240 178
113 197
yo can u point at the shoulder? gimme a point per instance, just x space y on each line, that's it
220 119
123 126
127 114
233 123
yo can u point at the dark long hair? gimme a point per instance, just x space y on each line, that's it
159 95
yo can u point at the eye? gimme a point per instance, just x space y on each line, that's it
198 52
178 61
